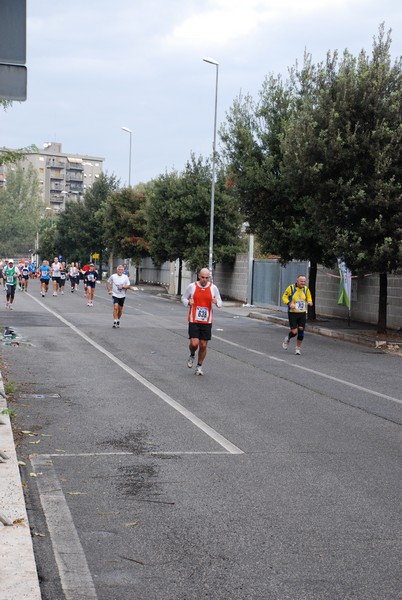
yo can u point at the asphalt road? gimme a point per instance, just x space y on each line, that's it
272 477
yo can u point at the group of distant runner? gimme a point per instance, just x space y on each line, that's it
56 274
199 297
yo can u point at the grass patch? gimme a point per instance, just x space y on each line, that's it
9 388
10 412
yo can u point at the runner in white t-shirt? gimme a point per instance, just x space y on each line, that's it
116 285
55 270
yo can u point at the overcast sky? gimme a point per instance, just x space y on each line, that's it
95 66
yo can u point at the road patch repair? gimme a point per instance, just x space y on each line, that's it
11 338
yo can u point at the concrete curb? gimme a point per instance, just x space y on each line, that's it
354 338
18 575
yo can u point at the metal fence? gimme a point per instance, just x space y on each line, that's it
270 280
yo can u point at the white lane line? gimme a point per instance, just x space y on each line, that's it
313 371
75 577
155 453
212 433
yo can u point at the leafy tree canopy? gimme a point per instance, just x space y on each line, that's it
343 148
80 229
48 247
179 216
21 208
124 221
317 162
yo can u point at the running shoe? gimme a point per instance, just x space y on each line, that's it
114 324
198 370
118 324
285 343
190 362
10 307
298 351
54 294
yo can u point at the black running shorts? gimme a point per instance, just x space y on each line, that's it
200 331
297 320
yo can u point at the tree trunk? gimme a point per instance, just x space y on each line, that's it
179 277
382 304
100 265
137 271
312 286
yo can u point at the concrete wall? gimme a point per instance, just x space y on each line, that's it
365 293
232 280
150 273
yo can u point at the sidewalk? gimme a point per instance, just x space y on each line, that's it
18 576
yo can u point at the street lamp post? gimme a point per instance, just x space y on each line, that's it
212 61
129 156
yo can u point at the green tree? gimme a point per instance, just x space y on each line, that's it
179 216
166 238
196 211
21 208
71 240
125 224
80 227
48 247
344 146
317 163
252 149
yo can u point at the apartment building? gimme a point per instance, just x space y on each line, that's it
63 177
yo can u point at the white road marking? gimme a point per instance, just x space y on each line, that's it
75 577
308 370
155 453
212 433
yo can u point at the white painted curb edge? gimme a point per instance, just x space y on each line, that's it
18 575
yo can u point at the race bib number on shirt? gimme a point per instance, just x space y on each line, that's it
201 314
300 305
10 278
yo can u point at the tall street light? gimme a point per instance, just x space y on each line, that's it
129 156
212 61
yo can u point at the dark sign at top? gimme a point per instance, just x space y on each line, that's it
13 19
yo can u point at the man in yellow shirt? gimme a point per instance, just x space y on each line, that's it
297 297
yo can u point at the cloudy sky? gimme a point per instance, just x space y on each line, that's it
95 66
